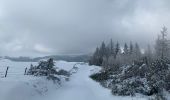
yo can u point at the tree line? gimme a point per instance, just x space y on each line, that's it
128 69
112 54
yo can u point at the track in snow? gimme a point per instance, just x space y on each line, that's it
81 87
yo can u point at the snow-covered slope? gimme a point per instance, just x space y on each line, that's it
17 86
80 87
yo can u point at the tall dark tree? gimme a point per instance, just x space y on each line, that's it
111 47
131 48
149 54
137 51
117 49
50 67
103 49
125 49
95 58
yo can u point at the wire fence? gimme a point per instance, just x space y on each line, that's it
12 71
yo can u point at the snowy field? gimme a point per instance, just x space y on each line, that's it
17 86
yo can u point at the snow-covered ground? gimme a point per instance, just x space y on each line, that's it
16 86
81 87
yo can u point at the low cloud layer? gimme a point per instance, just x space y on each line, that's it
47 27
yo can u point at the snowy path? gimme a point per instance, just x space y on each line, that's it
81 87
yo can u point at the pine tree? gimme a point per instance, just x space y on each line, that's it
102 53
131 48
103 50
50 67
50 63
137 51
111 47
162 45
126 49
117 49
105 63
149 54
158 47
95 58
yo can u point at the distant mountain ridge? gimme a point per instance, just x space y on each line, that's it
69 58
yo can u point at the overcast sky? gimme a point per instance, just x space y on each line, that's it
47 27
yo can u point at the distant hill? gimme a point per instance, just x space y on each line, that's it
73 58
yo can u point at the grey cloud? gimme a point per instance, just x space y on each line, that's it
41 27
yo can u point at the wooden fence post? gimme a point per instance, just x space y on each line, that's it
6 72
25 71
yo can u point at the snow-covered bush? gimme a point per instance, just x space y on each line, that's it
128 71
47 69
137 78
63 72
103 76
131 86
